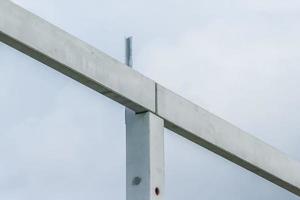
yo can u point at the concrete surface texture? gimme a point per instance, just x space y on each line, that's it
69 55
144 156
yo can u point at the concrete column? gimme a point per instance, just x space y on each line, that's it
144 156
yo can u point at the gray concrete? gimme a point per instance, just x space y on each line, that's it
228 141
74 58
144 157
67 54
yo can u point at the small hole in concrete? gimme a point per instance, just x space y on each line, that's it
136 181
157 191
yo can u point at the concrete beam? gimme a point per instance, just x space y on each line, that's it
144 157
226 140
52 46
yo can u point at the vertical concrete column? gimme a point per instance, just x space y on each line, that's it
144 156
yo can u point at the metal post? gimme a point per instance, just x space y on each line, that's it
144 151
128 51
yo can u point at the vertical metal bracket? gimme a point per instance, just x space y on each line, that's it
128 51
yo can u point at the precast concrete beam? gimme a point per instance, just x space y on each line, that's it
226 140
54 47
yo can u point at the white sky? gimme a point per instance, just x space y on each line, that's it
238 59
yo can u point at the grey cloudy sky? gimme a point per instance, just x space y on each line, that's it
239 59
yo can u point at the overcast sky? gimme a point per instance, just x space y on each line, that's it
237 58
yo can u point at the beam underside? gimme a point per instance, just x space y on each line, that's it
27 33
